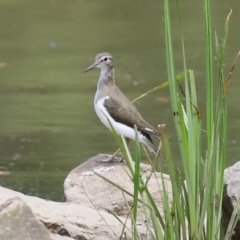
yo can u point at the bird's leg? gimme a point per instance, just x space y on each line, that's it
114 157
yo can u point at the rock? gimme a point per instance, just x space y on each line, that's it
17 221
231 195
72 221
85 188
89 198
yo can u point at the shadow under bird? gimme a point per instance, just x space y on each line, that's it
111 104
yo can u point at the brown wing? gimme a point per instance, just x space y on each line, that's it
126 113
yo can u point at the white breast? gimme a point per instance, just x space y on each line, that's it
120 128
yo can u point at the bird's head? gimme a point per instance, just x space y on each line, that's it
102 61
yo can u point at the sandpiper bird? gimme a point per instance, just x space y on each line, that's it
111 104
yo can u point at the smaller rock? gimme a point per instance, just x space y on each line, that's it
232 180
231 195
72 221
18 222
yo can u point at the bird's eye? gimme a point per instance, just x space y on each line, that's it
105 59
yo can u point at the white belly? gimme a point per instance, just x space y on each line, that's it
120 128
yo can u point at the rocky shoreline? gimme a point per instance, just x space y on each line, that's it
85 214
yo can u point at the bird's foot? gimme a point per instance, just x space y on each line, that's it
111 158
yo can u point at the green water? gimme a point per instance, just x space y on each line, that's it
47 121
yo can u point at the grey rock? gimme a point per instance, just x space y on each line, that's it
85 188
17 222
72 221
231 196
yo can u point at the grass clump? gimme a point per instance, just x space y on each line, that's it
194 209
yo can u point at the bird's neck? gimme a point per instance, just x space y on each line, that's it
106 78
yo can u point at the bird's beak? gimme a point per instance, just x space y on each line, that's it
91 67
